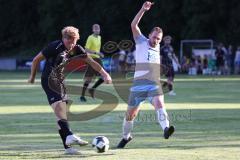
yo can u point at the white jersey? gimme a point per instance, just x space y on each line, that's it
147 59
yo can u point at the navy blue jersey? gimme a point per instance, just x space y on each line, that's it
167 55
219 54
57 56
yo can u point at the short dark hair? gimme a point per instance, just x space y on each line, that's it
167 37
157 29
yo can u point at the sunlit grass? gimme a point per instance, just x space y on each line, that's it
205 113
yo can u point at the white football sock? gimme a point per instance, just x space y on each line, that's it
127 128
162 117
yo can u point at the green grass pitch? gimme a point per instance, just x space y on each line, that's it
205 112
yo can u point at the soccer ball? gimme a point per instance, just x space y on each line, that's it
100 144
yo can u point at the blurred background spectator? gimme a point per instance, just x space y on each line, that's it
237 61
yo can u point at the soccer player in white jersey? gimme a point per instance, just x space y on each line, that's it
146 79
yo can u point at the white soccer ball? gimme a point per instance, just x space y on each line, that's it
100 144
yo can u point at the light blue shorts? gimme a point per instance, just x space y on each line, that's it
142 90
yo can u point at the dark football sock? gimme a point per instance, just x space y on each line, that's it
170 87
63 137
63 124
98 83
85 86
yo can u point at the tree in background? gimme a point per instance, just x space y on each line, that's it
27 25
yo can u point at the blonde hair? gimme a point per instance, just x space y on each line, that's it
70 31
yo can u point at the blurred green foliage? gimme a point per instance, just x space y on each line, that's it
28 25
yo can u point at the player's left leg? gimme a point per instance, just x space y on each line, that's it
162 116
87 81
128 126
170 79
99 81
60 110
138 94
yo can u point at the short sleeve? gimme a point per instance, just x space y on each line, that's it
139 39
88 43
80 51
50 50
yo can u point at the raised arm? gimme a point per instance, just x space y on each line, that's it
34 67
134 25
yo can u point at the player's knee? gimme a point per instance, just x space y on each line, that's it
88 79
86 84
130 116
59 107
158 102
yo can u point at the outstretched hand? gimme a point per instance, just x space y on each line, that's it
107 79
147 5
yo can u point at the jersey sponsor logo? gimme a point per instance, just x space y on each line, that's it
59 45
153 49
153 55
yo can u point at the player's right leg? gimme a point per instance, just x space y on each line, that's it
128 126
134 100
170 88
92 90
60 110
55 100
67 136
138 93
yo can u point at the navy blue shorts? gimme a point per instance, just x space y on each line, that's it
54 92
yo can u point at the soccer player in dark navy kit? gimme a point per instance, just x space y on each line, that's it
57 54
167 58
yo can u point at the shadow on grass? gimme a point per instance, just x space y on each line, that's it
53 154
194 129
215 90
